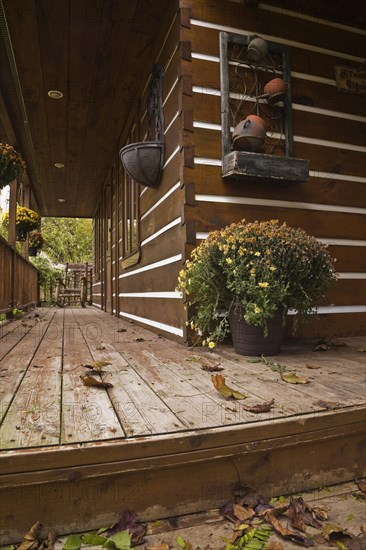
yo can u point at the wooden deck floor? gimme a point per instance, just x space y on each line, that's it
163 411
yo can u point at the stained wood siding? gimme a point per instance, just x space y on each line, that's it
145 291
18 279
330 134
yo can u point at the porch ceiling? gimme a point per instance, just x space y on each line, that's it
94 52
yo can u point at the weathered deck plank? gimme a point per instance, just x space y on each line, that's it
16 361
87 412
140 410
184 429
33 418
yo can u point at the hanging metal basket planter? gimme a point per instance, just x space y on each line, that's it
144 161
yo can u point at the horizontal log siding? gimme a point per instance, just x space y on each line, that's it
18 281
145 291
330 133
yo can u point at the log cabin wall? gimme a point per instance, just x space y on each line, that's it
329 132
140 233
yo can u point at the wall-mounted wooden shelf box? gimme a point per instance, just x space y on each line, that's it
246 166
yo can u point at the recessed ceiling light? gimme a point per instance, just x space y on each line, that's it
61 200
55 94
59 165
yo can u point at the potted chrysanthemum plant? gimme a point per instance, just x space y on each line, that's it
244 278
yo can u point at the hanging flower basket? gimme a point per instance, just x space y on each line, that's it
35 241
33 251
20 233
11 165
26 220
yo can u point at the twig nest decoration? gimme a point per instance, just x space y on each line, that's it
257 49
249 134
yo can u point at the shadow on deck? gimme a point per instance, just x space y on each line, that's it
161 441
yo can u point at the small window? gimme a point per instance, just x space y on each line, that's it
130 216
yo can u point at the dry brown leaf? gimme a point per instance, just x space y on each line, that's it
30 540
243 514
312 366
260 407
161 546
96 365
49 542
212 368
292 378
361 485
284 532
91 381
218 381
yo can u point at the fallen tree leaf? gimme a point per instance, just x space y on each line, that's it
312 366
181 542
328 344
139 339
31 539
362 350
91 381
283 531
333 532
218 381
73 542
260 407
96 365
194 358
100 348
49 542
122 330
292 378
129 521
361 485
212 368
301 515
121 540
243 514
327 404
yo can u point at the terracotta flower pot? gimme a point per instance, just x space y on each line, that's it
249 134
275 90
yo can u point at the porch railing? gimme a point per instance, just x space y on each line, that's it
18 279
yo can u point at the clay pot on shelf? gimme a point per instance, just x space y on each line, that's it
249 134
275 90
257 49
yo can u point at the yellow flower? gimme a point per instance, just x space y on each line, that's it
273 268
257 309
263 285
229 261
257 253
182 274
211 345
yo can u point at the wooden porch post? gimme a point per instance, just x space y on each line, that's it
12 212
26 202
11 236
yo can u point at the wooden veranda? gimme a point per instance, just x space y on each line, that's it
162 441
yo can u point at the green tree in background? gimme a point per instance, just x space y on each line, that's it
68 239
